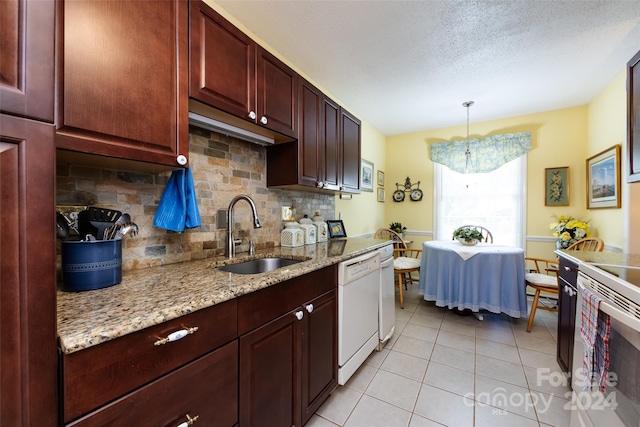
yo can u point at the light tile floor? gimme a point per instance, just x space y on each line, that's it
440 368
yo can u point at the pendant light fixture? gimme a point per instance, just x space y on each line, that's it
467 153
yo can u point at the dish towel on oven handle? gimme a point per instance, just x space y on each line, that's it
178 207
595 332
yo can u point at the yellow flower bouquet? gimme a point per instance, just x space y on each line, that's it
568 230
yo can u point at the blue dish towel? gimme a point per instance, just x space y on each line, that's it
178 208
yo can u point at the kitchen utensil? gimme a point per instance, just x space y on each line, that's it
128 228
111 232
62 227
102 218
84 225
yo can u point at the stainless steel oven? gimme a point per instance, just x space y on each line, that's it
619 404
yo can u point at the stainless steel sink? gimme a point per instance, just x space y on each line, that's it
260 265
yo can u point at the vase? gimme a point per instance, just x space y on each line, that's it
471 242
563 244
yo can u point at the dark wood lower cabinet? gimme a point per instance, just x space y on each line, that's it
567 302
288 366
206 388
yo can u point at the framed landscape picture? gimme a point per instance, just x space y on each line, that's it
603 179
366 175
556 186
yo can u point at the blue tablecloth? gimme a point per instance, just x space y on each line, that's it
481 277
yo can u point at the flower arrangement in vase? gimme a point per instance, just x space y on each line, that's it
397 227
567 230
468 236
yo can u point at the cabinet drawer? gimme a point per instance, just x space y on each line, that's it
206 388
257 308
568 271
102 373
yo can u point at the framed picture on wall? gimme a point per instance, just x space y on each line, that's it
603 179
366 175
380 178
336 228
381 194
556 186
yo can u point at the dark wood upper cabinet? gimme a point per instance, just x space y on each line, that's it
123 79
27 52
633 118
231 72
326 156
350 128
28 360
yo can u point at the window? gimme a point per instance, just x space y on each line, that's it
495 200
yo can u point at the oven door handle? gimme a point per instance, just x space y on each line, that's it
616 313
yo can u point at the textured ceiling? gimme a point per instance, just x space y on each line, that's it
405 66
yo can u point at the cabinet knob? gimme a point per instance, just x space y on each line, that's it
309 307
252 115
175 336
299 314
181 159
189 421
319 184
263 120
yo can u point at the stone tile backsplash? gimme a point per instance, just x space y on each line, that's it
222 168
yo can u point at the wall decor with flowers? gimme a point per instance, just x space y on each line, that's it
567 230
556 186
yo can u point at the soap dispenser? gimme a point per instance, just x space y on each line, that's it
309 230
292 235
322 230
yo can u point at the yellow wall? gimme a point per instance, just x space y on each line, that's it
607 126
559 138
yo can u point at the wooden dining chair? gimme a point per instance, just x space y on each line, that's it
487 237
406 261
545 279
588 244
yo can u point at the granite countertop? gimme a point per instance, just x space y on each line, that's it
147 297
604 257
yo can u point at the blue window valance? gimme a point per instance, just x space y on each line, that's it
487 154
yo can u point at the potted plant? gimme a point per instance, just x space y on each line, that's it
467 235
397 227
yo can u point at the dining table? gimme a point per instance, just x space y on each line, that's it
485 276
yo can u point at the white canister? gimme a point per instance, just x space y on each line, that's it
322 230
309 230
292 235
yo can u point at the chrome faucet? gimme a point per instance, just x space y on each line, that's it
231 242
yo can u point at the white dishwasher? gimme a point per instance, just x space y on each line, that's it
358 303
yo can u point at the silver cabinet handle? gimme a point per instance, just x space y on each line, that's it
299 314
263 120
252 115
309 308
175 336
189 421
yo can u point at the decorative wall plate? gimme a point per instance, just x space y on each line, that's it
398 196
416 195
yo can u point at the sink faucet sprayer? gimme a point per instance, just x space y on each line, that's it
231 243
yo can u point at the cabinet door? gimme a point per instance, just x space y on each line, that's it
269 361
350 128
319 352
332 146
567 301
28 360
122 86
222 63
206 388
277 95
310 150
27 52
